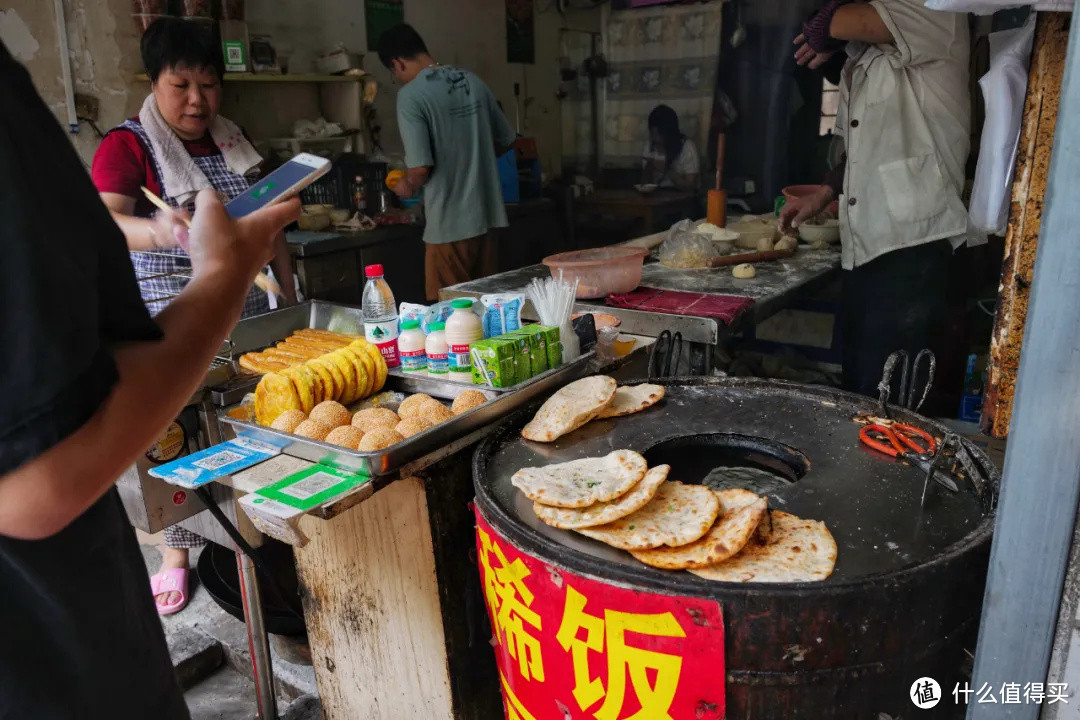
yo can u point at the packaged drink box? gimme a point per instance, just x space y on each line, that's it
538 358
498 357
550 335
522 356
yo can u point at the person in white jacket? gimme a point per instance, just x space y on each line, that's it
905 118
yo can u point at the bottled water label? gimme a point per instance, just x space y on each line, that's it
383 335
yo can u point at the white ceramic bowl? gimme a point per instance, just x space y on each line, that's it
825 231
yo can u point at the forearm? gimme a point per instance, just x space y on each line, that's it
418 176
414 179
282 266
834 178
859 21
139 232
43 496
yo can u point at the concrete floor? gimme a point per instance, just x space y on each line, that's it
210 652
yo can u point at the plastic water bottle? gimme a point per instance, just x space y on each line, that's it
380 315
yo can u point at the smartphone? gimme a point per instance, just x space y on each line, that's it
289 179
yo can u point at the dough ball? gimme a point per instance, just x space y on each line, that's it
411 405
330 413
379 438
744 271
786 243
820 245
312 429
288 420
372 418
765 244
411 426
467 401
345 436
434 412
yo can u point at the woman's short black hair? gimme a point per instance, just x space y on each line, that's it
171 42
666 120
400 41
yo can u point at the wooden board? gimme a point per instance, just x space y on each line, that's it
1025 217
372 607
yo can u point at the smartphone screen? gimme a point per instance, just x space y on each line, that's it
290 178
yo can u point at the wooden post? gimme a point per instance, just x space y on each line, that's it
1025 217
393 606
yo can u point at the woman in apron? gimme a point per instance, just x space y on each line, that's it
176 146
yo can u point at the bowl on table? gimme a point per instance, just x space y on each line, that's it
602 320
600 271
816 231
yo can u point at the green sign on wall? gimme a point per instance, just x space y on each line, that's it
379 16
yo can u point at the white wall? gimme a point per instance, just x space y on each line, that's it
104 51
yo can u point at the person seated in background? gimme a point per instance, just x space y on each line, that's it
670 158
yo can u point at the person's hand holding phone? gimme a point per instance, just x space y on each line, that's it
235 249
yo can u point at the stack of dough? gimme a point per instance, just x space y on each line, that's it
727 535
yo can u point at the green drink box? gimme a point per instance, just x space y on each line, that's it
522 356
498 357
538 359
550 337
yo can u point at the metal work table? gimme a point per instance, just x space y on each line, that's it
771 289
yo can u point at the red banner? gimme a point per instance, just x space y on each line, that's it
569 647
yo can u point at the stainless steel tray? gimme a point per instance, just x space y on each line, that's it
266 329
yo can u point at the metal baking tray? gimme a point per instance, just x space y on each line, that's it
267 329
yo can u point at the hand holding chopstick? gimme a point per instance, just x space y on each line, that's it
263 281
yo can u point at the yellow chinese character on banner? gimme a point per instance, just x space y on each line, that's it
622 659
515 709
509 601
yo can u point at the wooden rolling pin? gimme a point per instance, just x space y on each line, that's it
750 258
716 210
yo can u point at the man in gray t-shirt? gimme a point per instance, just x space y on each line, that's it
452 130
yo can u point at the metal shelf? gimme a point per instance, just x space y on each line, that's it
267 77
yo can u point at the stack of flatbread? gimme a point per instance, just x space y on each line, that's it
727 535
575 404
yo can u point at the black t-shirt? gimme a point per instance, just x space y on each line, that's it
81 637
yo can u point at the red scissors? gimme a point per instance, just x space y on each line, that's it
901 441
897 439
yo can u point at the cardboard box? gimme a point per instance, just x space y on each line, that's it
497 357
538 359
522 356
553 345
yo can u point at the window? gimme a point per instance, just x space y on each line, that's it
830 102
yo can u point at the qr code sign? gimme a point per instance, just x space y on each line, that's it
235 54
218 460
311 485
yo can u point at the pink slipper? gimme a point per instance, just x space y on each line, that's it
174 580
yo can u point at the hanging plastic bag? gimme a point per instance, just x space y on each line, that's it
1004 87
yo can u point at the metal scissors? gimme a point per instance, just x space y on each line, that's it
667 347
902 442
909 371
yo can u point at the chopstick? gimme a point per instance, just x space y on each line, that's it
263 281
